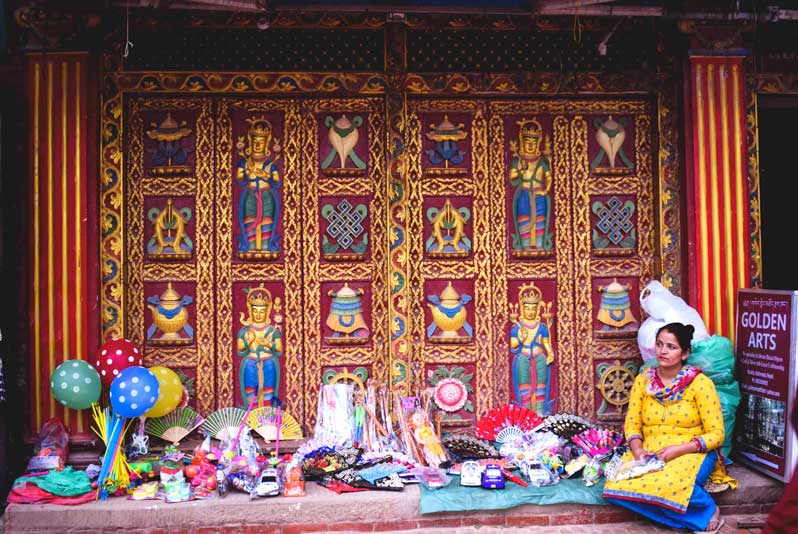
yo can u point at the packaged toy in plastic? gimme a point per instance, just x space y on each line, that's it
637 468
50 451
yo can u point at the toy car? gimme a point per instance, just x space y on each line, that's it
492 477
431 478
471 474
267 485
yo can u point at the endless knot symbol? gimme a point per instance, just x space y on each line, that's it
345 224
615 220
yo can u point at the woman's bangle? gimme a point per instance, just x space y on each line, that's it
699 447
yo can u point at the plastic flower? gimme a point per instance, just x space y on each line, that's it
450 394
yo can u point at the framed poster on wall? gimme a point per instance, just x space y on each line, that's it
765 349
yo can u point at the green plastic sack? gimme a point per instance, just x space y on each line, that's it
716 357
66 483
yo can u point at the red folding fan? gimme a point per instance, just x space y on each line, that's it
507 422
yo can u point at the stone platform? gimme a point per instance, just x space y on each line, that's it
322 510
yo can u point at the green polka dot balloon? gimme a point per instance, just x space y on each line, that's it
75 384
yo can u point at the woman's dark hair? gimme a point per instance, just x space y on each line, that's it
683 333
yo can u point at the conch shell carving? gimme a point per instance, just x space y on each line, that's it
610 136
343 135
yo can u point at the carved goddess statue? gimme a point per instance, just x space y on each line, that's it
530 174
259 202
530 344
259 345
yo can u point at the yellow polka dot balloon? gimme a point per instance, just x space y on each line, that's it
170 391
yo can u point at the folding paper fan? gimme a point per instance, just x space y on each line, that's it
264 422
566 425
174 426
468 447
505 417
223 424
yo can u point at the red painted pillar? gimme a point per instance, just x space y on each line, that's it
61 242
717 196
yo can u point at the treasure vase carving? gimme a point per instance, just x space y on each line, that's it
449 317
169 319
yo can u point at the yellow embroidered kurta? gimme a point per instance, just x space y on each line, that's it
696 415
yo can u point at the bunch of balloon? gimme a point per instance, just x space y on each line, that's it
134 392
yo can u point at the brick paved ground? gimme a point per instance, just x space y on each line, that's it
734 525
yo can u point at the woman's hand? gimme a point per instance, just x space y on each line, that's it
640 453
666 454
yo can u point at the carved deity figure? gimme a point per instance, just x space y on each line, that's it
530 344
259 345
530 174
259 202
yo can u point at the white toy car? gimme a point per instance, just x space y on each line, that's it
267 485
471 474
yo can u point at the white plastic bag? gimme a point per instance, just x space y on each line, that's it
663 307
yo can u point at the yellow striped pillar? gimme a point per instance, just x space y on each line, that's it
717 212
59 228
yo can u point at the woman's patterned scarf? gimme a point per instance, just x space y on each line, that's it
674 392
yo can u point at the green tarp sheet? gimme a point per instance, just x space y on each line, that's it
457 498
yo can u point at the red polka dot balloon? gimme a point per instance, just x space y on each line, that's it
114 356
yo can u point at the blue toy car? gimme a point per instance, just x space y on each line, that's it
492 477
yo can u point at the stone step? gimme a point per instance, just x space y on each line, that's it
324 511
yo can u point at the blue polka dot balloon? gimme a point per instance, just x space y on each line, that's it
133 392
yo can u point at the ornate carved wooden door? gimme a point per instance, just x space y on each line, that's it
257 237
169 296
531 234
599 217
344 242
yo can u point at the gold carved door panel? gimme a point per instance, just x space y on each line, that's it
259 253
451 327
579 227
169 237
256 242
345 242
530 230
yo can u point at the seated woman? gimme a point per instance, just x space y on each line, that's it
674 413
